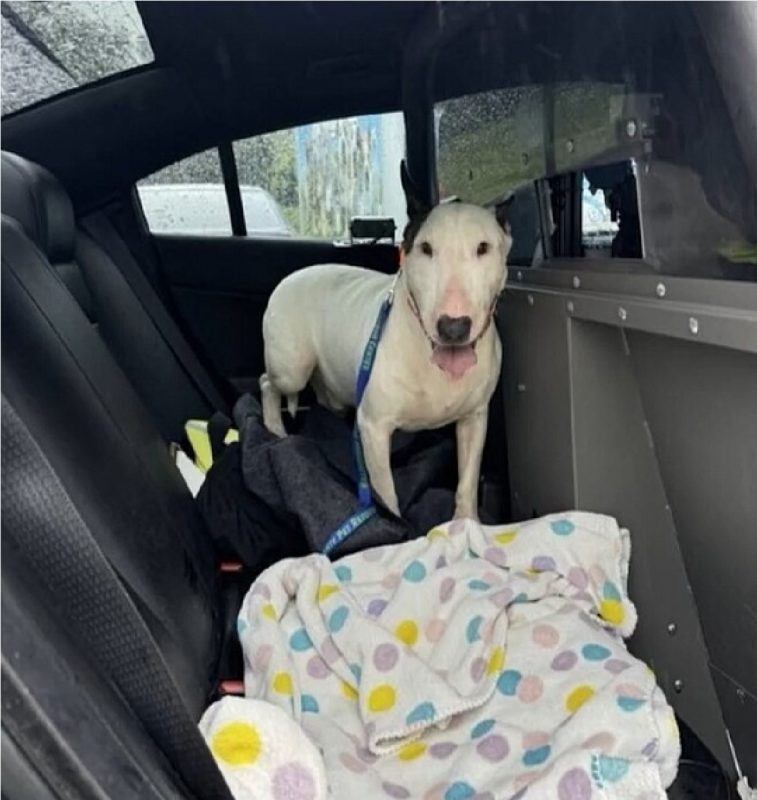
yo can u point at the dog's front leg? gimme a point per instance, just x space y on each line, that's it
377 440
471 434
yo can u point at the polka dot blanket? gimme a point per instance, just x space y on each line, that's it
478 662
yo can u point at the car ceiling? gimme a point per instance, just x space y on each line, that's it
224 70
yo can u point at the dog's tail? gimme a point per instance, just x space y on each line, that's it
292 404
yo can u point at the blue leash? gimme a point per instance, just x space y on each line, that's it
365 498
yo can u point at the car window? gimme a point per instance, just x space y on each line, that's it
187 197
50 47
322 175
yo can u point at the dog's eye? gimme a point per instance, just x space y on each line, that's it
483 249
426 249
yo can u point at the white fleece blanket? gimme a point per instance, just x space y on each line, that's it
477 662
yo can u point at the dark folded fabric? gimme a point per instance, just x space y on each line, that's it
268 498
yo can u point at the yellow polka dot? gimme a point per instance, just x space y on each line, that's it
505 537
612 611
282 683
436 533
407 632
496 661
412 751
382 698
578 697
236 743
268 611
348 691
326 591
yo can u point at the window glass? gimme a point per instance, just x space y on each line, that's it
188 197
50 46
320 176
568 93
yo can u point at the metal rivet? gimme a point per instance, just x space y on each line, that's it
521 387
576 282
678 686
570 307
622 314
740 694
672 628
570 145
631 128
530 299
694 325
519 275
661 290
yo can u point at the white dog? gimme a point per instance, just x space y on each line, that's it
438 360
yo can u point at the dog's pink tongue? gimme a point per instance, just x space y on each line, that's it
455 361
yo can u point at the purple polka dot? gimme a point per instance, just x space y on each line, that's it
477 668
543 564
376 607
329 651
262 590
493 748
385 657
374 554
442 749
293 782
395 790
650 748
564 661
441 562
483 796
578 577
574 785
262 658
496 555
351 763
391 581
457 527
364 754
317 668
446 589
502 597
616 666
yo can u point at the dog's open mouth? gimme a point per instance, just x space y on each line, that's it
455 360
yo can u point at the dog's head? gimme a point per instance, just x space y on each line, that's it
454 264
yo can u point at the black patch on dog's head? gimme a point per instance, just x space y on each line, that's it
417 209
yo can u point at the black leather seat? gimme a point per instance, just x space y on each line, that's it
115 296
63 383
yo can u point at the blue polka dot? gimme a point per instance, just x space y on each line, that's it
459 791
344 573
532 758
478 586
425 712
562 527
482 728
241 626
612 768
356 671
414 572
309 704
338 618
300 641
610 591
472 630
520 598
630 703
595 652
507 683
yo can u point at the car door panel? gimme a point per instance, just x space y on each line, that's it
220 287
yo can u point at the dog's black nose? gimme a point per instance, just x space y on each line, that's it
453 330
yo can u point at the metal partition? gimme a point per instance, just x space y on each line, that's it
637 397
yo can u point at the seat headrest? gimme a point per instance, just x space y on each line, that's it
38 202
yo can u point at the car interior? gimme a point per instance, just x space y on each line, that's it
624 135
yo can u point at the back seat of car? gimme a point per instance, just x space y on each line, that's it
98 269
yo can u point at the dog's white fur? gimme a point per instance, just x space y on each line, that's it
319 319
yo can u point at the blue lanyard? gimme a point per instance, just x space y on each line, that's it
365 499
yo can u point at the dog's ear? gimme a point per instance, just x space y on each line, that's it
416 207
502 213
